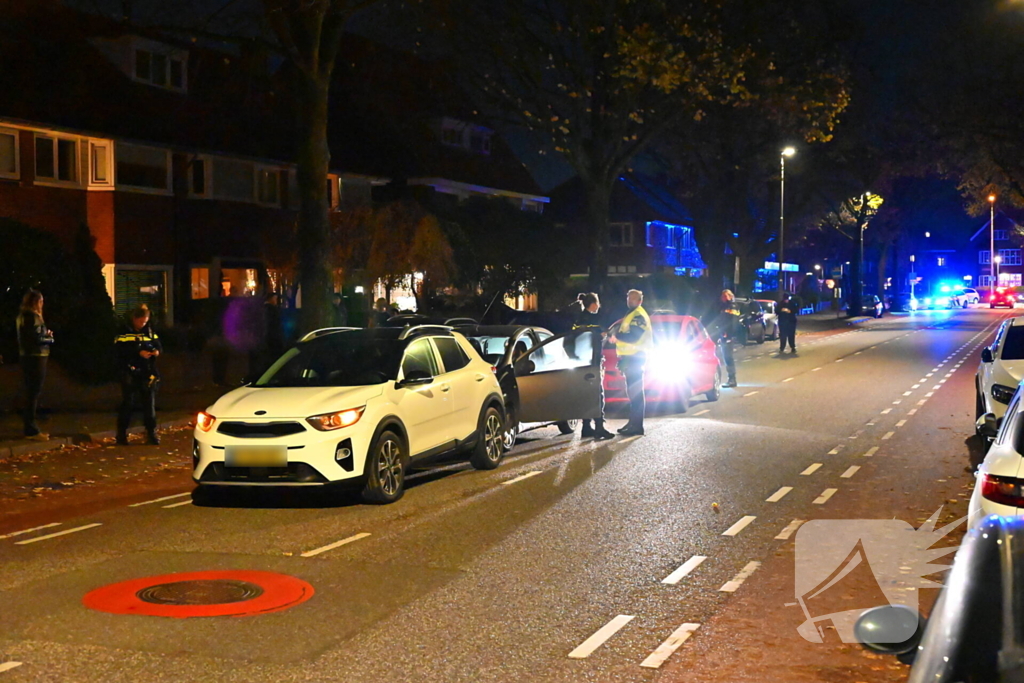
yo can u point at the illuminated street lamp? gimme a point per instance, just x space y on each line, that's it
787 152
913 279
992 236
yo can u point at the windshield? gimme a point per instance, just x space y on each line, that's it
336 361
666 331
1013 345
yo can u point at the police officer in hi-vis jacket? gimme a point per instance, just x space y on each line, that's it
633 341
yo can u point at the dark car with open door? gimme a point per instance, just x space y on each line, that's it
751 326
510 351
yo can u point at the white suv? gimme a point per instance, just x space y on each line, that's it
963 297
1001 369
357 406
999 485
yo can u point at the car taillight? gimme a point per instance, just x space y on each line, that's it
992 298
1002 490
494 369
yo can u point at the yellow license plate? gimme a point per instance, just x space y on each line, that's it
256 456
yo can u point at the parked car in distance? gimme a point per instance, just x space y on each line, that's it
871 305
771 317
683 364
1002 297
962 297
751 325
976 628
354 406
1000 370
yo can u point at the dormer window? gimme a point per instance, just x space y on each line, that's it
455 133
162 68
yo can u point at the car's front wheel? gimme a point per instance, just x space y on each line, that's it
509 438
385 469
567 426
716 390
764 335
489 444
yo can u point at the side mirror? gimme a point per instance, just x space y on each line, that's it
986 355
890 630
525 367
987 426
416 378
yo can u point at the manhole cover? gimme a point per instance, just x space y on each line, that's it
208 592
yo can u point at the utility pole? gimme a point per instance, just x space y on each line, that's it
787 152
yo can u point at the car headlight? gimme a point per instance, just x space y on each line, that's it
1002 393
328 422
671 361
204 421
942 301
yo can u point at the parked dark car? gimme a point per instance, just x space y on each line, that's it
976 629
871 305
751 327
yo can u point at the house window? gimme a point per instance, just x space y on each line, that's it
142 167
197 177
200 283
268 186
620 234
1000 235
984 256
233 180
9 153
56 159
100 164
1010 257
1010 279
940 261
159 69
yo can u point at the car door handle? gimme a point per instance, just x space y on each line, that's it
590 377
479 377
445 387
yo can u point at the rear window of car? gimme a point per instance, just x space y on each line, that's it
1013 345
452 356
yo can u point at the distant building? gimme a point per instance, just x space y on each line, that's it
1008 236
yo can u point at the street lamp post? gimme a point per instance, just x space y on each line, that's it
992 240
913 279
787 152
998 259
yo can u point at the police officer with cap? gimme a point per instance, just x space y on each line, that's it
138 347
633 341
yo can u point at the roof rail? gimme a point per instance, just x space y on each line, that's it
425 329
325 331
461 321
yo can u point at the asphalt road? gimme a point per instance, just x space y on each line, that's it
500 576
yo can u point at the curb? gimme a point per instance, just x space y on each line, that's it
25 447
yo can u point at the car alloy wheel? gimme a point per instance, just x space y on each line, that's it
509 438
568 426
489 445
494 437
390 471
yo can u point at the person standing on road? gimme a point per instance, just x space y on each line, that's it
137 348
633 339
34 341
787 324
725 325
586 319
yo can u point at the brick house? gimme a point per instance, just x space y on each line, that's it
1007 239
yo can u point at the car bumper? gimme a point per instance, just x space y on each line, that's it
980 508
313 459
655 391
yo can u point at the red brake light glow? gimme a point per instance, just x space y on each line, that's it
1002 490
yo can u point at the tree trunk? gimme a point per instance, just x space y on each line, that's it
856 274
313 227
598 202
883 264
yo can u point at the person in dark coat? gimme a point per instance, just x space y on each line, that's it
340 310
787 324
724 330
587 306
34 341
138 347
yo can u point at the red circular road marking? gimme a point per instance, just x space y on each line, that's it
280 592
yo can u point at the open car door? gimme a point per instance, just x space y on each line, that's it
560 378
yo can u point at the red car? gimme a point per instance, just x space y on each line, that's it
683 363
1002 297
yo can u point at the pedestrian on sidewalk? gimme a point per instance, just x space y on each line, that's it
725 324
138 347
787 324
34 342
633 340
587 306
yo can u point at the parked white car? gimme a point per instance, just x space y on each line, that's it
962 297
354 405
1000 370
999 484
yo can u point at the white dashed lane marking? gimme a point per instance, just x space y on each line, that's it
332 546
522 477
176 505
703 412
737 581
739 526
687 567
779 495
812 469
56 534
901 423
849 472
7 666
674 642
28 531
825 495
871 451
601 636
160 500
888 435
788 531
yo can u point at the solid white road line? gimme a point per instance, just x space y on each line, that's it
888 435
739 526
160 500
7 666
852 470
779 495
665 650
176 505
332 546
523 476
788 531
28 531
587 647
811 470
687 567
56 534
825 495
737 581
703 412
